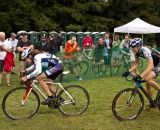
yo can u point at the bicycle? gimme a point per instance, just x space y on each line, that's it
81 65
87 53
24 102
129 102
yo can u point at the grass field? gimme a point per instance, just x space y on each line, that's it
97 117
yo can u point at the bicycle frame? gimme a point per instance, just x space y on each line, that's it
139 86
88 56
34 86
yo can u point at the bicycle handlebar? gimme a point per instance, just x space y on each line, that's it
127 79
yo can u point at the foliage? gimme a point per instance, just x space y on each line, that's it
76 15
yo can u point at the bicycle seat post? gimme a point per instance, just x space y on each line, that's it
64 73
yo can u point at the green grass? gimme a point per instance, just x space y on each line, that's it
97 117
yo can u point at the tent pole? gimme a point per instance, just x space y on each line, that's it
142 37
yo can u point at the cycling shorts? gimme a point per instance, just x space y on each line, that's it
157 69
52 73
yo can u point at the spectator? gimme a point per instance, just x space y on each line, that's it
70 48
126 51
107 46
87 41
125 47
5 60
56 42
115 49
43 45
125 43
116 42
13 42
23 44
98 54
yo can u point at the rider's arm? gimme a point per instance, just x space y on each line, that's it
30 68
134 67
149 68
38 67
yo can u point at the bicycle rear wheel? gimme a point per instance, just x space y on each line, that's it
75 103
127 104
82 67
13 107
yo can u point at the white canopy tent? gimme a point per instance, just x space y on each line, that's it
137 26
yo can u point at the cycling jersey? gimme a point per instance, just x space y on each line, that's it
149 53
52 62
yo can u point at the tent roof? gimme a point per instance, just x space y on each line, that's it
137 26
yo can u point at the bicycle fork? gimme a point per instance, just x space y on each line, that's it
132 97
24 98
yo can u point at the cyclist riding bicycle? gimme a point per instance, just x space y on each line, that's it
153 64
53 67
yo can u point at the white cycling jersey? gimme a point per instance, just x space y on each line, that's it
42 60
149 53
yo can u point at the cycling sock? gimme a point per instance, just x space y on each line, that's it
50 96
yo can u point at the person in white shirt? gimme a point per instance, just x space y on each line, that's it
4 47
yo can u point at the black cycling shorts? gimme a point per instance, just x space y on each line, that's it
157 69
52 73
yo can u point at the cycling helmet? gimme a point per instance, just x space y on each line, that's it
25 53
136 42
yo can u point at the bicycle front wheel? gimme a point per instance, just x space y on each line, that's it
82 67
127 104
75 100
13 106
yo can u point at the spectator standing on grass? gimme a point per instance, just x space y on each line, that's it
107 46
115 49
98 54
6 58
13 42
72 47
23 44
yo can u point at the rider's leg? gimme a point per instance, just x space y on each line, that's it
51 88
150 79
41 79
149 90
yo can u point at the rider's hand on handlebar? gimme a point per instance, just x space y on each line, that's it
125 74
24 79
138 78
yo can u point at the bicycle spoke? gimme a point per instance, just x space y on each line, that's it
15 108
79 102
127 106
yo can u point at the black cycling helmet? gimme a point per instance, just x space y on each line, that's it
136 42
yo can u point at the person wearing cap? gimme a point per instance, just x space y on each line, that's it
23 44
5 59
13 42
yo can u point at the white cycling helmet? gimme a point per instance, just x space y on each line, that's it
25 53
136 42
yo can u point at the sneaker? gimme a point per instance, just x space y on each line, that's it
8 84
48 101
